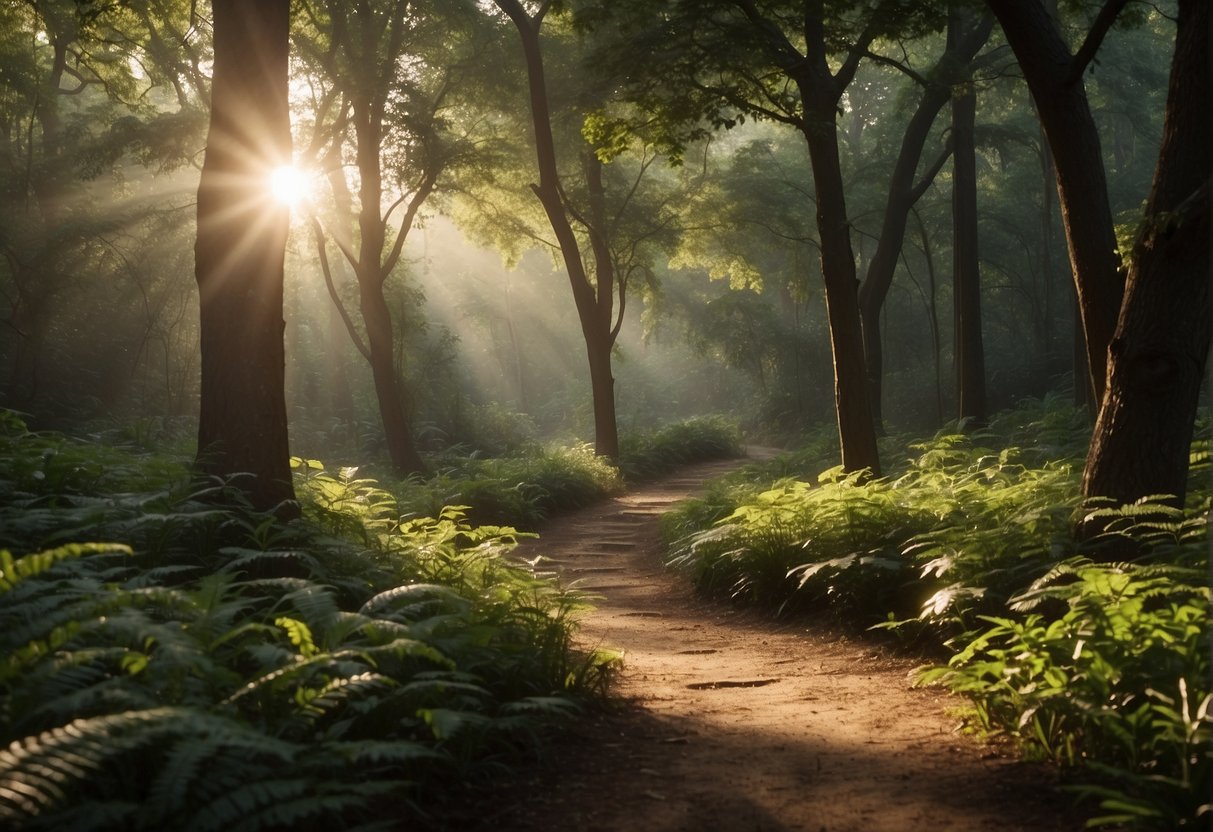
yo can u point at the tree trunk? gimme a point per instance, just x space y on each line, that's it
1084 396
372 274
593 307
601 339
1082 191
1157 359
966 274
856 429
239 256
875 287
903 194
397 430
932 314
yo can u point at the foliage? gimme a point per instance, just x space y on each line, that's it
534 481
215 668
645 456
521 489
957 521
1119 683
970 545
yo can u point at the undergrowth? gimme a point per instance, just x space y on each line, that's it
174 660
968 545
537 481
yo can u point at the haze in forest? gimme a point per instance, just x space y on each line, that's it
727 315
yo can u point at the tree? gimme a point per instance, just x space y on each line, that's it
71 109
387 70
718 63
593 296
969 355
239 255
1156 361
1054 77
903 192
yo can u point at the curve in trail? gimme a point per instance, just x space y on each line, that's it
735 722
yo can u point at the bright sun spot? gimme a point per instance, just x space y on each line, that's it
289 185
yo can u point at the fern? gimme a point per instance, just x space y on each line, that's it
216 667
15 570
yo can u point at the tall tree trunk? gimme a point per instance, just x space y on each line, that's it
372 275
1054 77
239 254
856 428
397 430
932 314
903 193
966 274
593 305
1157 360
601 340
901 197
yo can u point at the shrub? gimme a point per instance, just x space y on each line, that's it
646 456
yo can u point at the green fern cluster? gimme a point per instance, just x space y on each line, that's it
798 545
957 523
1117 682
217 669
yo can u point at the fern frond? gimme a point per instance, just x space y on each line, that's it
14 570
412 600
34 771
385 752
234 808
292 564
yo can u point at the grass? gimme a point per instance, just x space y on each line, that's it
968 547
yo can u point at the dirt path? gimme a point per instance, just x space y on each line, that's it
734 722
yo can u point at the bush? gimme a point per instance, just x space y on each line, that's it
646 456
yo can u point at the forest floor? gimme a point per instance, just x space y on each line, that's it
733 721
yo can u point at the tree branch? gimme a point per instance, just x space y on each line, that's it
1086 53
322 252
927 178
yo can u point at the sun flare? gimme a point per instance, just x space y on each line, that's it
289 185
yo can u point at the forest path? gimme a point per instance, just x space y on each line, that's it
735 722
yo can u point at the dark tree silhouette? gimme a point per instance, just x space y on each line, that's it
239 255
1156 361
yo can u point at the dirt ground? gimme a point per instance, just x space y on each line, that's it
732 721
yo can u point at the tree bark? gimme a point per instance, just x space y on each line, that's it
966 270
239 256
856 428
1061 102
1157 359
820 92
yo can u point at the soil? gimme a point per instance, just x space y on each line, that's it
733 721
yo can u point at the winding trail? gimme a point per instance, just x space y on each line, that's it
735 722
